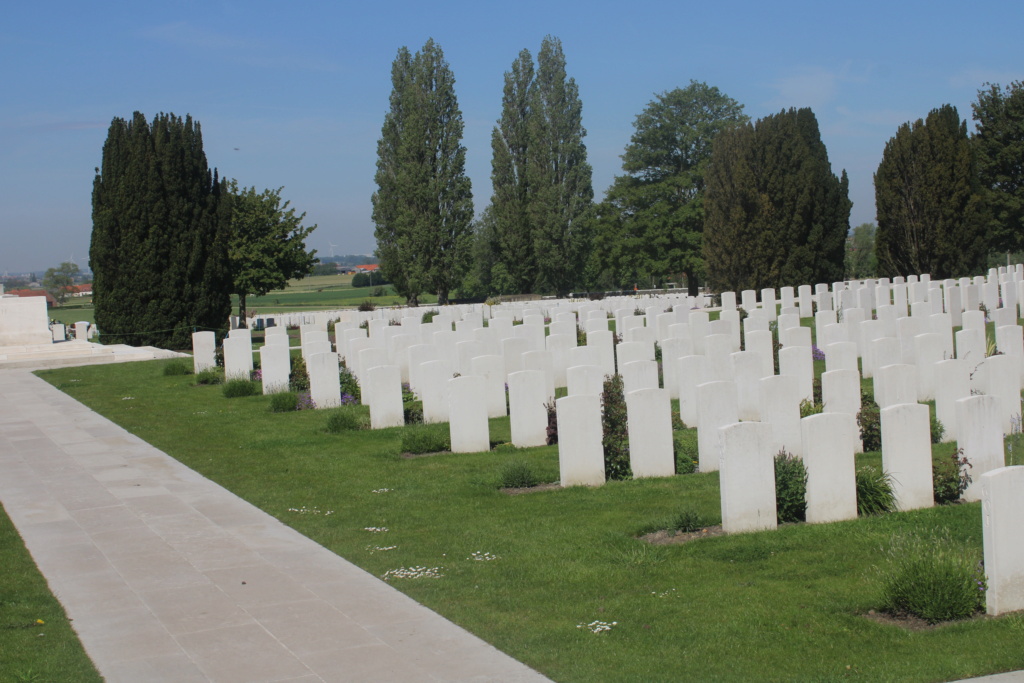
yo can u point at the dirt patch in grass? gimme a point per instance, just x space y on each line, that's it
410 456
666 537
909 622
532 489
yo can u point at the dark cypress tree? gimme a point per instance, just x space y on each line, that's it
927 201
159 242
776 214
999 142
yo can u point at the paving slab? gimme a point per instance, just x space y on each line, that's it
167 576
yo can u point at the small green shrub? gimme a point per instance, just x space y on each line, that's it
347 419
298 378
517 474
284 402
869 419
349 386
807 408
210 376
874 492
413 412
361 280
432 438
950 478
367 306
552 428
615 434
177 368
932 577
938 429
790 488
684 446
236 388
428 316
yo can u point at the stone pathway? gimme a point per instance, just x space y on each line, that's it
169 577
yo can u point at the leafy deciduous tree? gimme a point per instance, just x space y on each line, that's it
860 252
268 243
59 281
423 207
927 202
654 224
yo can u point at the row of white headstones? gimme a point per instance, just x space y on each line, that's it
901 332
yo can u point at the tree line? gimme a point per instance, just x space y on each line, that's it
706 196
171 240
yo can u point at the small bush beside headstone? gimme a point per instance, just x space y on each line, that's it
236 388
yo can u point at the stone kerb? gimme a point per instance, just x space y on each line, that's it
980 435
716 407
324 379
204 348
649 423
747 477
829 459
907 454
467 415
1002 518
528 417
275 368
384 383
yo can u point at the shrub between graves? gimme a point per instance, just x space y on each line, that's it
950 477
790 488
932 577
684 446
432 438
284 402
807 408
349 384
615 434
517 474
298 378
412 412
874 492
235 388
552 428
870 421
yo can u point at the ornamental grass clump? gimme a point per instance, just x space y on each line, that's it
790 488
517 474
432 438
284 402
689 520
177 368
210 376
932 577
347 418
236 388
874 492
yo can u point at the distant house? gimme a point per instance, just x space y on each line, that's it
80 290
50 301
368 267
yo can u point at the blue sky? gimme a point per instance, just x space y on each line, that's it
293 93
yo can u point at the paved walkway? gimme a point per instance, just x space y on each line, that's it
169 577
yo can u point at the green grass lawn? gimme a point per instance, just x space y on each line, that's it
36 640
783 605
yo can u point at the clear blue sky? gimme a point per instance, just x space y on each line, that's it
293 93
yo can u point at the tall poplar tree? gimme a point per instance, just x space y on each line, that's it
927 202
999 142
512 234
654 224
423 207
776 214
159 242
557 173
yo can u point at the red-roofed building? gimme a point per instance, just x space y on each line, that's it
50 301
80 290
368 268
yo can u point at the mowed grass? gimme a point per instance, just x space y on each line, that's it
784 605
324 292
36 639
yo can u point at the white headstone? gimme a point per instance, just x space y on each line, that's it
275 368
467 415
829 459
1002 519
907 454
324 379
204 345
580 451
747 477
649 421
716 407
528 416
